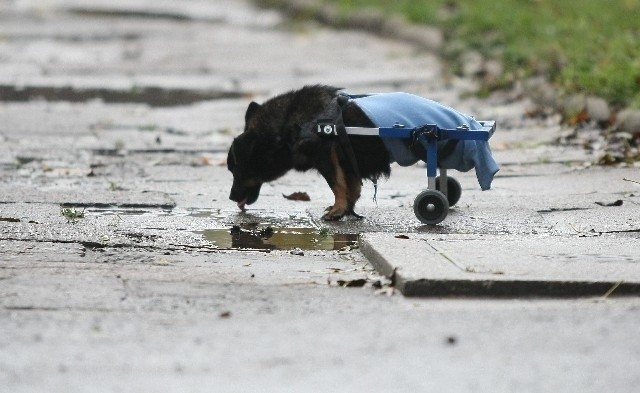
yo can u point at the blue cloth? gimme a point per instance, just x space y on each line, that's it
387 109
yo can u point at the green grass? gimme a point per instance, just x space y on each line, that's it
583 46
71 214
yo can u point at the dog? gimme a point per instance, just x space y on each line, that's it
275 141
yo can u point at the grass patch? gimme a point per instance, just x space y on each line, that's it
590 47
71 214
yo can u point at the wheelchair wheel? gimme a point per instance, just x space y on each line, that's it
454 190
431 207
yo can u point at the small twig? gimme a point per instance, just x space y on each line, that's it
613 288
632 181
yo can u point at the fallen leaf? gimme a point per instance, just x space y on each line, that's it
401 237
359 282
616 203
581 117
298 196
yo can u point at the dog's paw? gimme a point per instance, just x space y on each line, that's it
334 214
332 217
354 214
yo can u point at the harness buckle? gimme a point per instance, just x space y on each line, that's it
326 128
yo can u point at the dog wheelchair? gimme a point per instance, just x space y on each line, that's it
409 126
431 206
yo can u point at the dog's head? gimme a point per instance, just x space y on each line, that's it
245 168
255 157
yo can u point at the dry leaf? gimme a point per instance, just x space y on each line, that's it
616 203
359 282
298 196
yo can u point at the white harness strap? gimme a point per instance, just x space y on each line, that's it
363 131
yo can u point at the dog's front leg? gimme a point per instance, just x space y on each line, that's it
336 179
346 190
354 187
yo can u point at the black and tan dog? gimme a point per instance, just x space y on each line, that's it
273 142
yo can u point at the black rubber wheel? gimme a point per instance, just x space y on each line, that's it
431 207
454 190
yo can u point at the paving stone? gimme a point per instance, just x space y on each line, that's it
138 297
499 266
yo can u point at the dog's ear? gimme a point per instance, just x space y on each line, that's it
251 110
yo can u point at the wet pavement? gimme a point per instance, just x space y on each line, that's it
124 266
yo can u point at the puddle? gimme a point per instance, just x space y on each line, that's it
206 213
115 211
264 237
151 95
142 14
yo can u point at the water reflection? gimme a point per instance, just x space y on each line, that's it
265 237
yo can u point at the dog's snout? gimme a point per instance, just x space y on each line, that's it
237 193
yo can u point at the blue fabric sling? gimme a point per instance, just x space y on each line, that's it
387 109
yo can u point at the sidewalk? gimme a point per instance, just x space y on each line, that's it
561 233
118 272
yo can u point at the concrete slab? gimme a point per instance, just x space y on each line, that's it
134 299
146 52
85 198
514 266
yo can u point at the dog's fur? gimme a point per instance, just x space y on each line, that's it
271 145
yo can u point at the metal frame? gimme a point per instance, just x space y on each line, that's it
429 135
